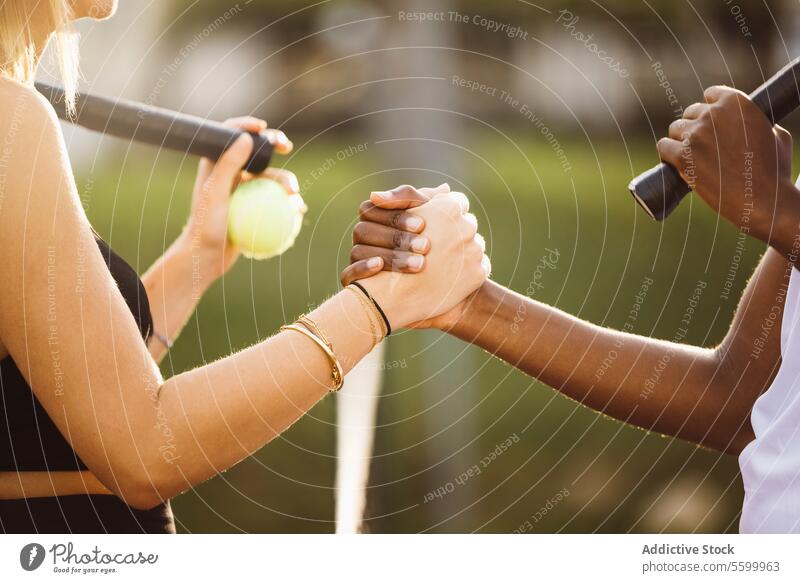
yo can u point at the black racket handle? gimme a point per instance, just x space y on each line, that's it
160 127
661 189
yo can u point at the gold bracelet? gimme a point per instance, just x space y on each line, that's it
365 304
314 329
337 374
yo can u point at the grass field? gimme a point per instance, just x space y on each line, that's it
446 406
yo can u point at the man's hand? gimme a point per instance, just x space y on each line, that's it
740 165
389 238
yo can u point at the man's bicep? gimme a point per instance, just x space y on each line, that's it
752 347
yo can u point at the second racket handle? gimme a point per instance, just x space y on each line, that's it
661 189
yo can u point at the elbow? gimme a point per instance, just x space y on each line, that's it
141 488
143 499
139 495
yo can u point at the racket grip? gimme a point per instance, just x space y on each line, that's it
157 126
659 190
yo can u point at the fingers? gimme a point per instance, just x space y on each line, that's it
486 264
280 142
724 95
227 169
396 219
715 93
402 197
247 123
680 128
367 233
431 192
391 205
457 201
670 151
285 178
289 181
461 199
481 242
393 260
362 270
696 110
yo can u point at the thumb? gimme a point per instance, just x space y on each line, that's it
402 197
229 166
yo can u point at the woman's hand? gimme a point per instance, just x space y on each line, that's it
207 230
426 293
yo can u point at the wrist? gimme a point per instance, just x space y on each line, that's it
785 229
476 308
382 287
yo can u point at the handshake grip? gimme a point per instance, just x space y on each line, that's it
661 189
157 126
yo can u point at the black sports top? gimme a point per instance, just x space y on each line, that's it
29 440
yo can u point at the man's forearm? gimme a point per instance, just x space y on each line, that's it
663 386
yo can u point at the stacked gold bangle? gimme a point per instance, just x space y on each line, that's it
372 315
310 330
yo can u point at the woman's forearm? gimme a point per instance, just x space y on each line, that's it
663 386
209 418
175 283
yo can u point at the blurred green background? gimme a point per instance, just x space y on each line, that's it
342 73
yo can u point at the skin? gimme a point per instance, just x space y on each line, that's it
704 395
202 253
143 438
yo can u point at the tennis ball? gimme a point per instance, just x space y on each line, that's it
263 219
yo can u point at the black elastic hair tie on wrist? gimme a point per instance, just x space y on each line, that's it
376 304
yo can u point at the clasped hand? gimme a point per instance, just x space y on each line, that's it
428 239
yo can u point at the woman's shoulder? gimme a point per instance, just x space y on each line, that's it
24 110
34 165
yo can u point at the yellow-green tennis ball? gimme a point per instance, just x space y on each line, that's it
263 220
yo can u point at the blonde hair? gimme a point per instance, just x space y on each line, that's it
17 44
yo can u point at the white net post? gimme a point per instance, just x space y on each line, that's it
357 405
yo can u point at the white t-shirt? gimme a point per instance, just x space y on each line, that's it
770 464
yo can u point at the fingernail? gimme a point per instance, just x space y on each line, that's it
415 262
443 185
419 244
374 262
385 194
414 223
284 141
